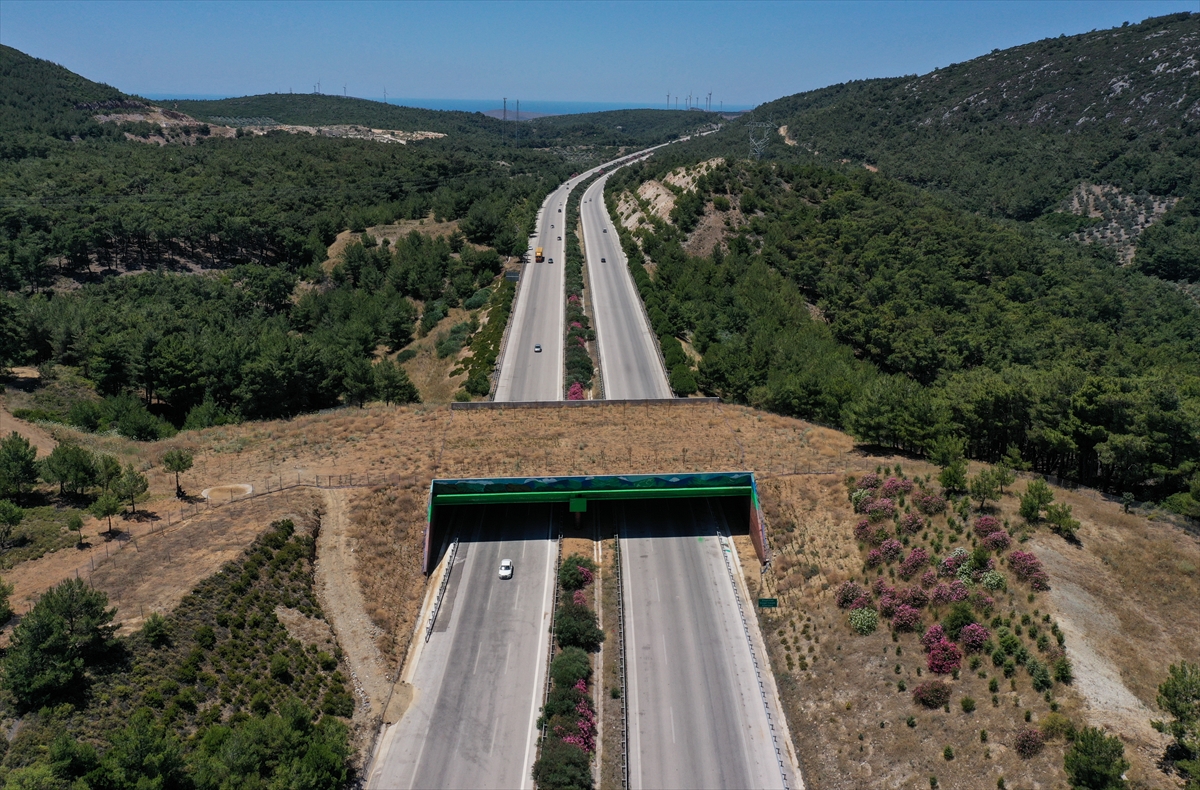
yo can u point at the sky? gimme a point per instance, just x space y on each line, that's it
745 53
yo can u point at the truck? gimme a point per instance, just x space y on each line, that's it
537 255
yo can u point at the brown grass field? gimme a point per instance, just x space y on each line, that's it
1121 596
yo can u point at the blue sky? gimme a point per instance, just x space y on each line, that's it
744 52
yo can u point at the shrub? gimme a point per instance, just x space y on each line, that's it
968 704
932 694
874 558
986 525
575 626
206 637
868 481
940 595
906 618
998 540
570 666
911 523
932 636
929 503
973 637
993 581
1062 670
1028 743
1039 673
956 559
1096 761
864 620
891 550
848 593
576 572
948 753
928 578
917 559
562 765
914 597
960 616
895 486
880 509
944 657
959 591
156 630
1056 725
1028 568
888 603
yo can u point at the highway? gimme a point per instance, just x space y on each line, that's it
478 681
630 366
696 715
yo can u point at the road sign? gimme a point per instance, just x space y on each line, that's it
768 603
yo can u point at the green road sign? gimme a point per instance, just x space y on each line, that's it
768 603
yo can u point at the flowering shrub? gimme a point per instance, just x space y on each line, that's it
860 498
993 580
579 598
915 561
576 572
1029 742
911 523
888 604
986 525
872 534
880 509
932 636
894 486
983 603
931 694
575 392
940 595
998 540
973 636
881 587
959 591
891 550
944 657
861 602
864 620
847 594
906 618
953 561
928 578
914 597
874 558
869 480
929 503
1028 568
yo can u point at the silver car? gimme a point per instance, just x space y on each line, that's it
506 569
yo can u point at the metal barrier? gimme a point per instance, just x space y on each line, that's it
553 617
726 548
621 662
437 602
573 404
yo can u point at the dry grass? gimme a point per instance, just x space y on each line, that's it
430 374
426 227
1118 595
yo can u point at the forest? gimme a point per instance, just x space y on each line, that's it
857 301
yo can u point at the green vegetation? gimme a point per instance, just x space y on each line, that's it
485 346
214 694
937 323
1179 698
578 368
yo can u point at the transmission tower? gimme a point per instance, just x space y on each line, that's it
760 134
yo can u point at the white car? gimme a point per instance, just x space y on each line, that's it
537 348
506 569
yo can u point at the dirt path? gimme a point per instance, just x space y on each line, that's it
342 600
45 442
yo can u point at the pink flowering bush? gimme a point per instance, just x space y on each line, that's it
1029 742
847 594
973 636
944 657
915 561
959 591
928 578
932 636
869 480
580 598
931 694
575 392
862 602
911 523
895 486
906 618
986 525
953 561
881 587
929 503
874 558
914 597
1028 568
870 533
998 540
880 509
888 604
573 299
940 595
891 550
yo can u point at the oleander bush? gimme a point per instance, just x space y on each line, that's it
931 694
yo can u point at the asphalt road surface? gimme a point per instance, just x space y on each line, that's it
629 362
696 716
478 680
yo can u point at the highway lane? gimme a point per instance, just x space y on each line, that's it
696 715
477 683
630 366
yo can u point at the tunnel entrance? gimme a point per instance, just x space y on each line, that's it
732 495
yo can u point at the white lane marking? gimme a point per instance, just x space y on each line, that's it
517 598
657 594
478 652
672 724
507 653
495 728
527 769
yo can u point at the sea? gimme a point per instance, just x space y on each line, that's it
534 108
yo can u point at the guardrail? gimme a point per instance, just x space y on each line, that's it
576 404
437 602
726 548
553 617
621 662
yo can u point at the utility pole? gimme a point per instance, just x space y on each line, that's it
385 95
518 109
506 108
668 100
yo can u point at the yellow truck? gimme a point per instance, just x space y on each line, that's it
537 255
